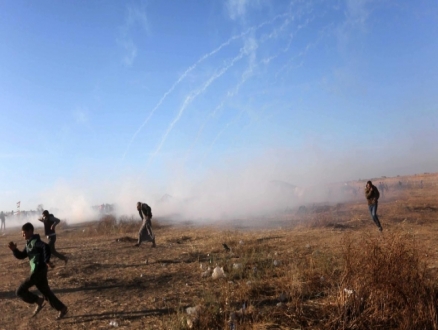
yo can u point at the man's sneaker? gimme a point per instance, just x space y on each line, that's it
153 243
62 313
380 228
40 305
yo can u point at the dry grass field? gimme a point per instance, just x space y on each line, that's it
318 267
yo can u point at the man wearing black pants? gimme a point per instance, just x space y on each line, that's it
50 222
39 257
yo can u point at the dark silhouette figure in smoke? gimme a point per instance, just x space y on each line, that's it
3 221
50 222
372 195
382 188
145 233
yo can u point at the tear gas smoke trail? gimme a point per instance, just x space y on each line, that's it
191 68
273 35
266 61
194 95
214 141
201 129
213 113
288 66
245 77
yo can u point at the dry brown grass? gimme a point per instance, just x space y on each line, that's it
385 283
326 268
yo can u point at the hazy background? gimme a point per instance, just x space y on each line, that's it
211 101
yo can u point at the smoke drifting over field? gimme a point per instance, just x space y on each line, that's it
239 187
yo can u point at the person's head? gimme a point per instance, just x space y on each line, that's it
139 206
45 213
27 230
369 184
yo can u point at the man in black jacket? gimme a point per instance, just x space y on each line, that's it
145 232
372 195
50 222
38 253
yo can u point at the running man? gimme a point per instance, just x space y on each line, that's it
38 253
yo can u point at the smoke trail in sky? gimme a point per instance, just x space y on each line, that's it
218 136
189 99
245 76
289 65
192 67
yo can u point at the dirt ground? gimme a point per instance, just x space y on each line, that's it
108 283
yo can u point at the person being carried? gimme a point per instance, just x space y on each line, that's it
50 222
145 233
38 253
372 195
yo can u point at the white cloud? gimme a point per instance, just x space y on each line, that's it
357 12
130 52
136 18
80 116
237 8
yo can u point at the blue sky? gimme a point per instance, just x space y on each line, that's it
119 101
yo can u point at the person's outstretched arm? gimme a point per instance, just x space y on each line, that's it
17 253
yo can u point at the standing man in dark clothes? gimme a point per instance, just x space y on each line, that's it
145 233
38 253
372 194
50 222
3 220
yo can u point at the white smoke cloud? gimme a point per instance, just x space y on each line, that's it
136 19
237 8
